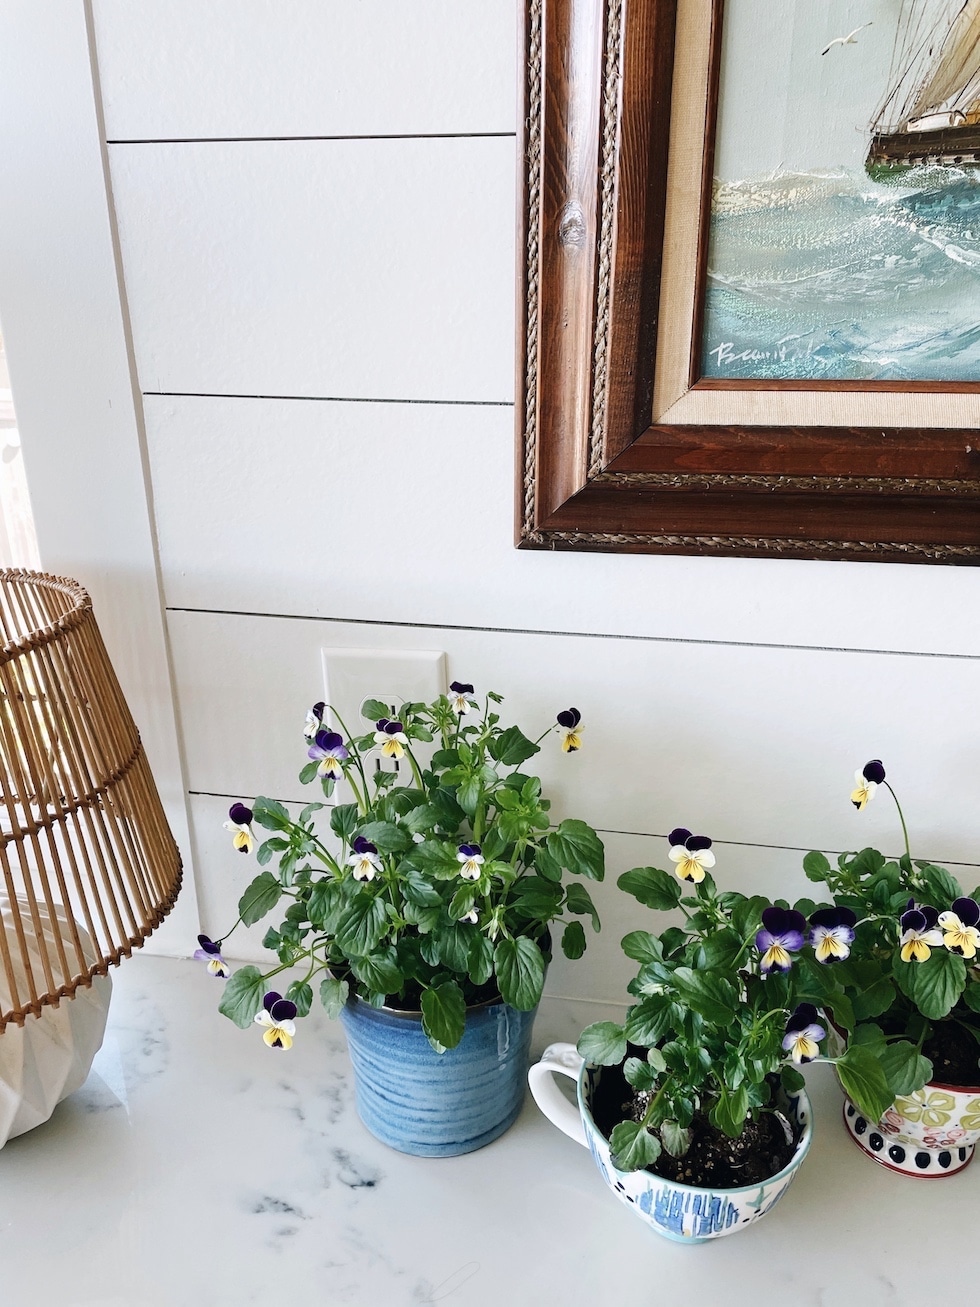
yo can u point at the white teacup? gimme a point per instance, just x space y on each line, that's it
685 1213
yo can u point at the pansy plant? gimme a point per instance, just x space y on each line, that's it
721 1013
909 972
434 886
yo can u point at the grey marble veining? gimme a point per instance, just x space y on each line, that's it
196 1165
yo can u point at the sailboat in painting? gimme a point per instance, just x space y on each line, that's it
931 112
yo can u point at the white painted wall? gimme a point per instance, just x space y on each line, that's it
316 205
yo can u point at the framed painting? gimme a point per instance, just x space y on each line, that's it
750 278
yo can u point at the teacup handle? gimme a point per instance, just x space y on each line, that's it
563 1058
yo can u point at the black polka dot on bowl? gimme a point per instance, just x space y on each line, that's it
944 1159
875 1141
860 1125
922 1160
897 1153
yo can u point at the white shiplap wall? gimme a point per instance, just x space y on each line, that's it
315 205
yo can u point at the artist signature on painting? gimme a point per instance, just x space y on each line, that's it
727 355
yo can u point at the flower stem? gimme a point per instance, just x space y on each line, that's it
901 818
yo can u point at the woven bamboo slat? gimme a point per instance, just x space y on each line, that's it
81 824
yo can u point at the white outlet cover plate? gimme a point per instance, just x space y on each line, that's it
394 676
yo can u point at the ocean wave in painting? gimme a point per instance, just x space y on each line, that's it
838 277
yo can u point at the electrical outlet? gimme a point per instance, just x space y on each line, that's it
393 676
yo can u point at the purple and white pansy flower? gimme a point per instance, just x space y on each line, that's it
803 1034
866 781
392 738
471 917
832 933
240 824
959 927
278 1016
364 859
570 721
470 859
210 952
782 934
314 719
691 853
329 751
460 697
920 932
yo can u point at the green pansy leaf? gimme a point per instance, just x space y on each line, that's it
906 1070
546 865
379 972
792 1080
454 943
519 967
816 866
640 1074
603 1043
264 853
242 996
708 993
300 993
873 1001
388 837
573 940
641 946
261 897
481 959
374 710
361 926
576 846
652 887
343 820
943 887
333 995
511 747
719 949
271 814
308 773
633 1146
730 1110
971 997
676 1138
863 1080
444 1014
326 904
937 983
651 1019
422 819
579 900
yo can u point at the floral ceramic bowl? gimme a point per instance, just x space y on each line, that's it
684 1213
929 1134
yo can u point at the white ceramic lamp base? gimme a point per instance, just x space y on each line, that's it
50 1056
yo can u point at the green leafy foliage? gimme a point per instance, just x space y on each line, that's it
633 1146
652 887
413 924
603 1043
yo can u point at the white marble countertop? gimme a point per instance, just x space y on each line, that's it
197 1166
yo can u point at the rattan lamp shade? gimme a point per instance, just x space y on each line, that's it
83 836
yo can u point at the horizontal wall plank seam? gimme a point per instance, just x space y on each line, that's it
328 399
639 834
580 635
353 136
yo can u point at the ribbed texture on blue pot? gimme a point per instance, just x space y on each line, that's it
438 1105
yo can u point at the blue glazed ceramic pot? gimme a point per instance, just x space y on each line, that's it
438 1105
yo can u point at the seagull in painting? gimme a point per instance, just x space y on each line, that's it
846 40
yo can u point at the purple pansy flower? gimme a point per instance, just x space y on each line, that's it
471 858
692 853
392 738
867 780
781 934
329 751
471 917
278 1016
832 933
240 824
570 722
803 1034
959 927
314 719
459 697
210 952
920 933
364 859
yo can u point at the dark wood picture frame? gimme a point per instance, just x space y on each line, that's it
593 472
